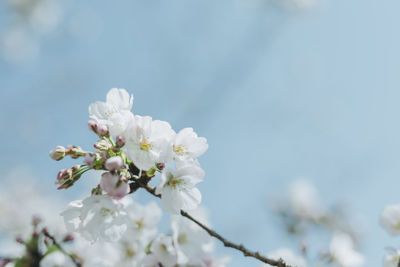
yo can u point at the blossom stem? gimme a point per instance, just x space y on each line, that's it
75 260
246 252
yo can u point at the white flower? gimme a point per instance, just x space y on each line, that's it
187 144
390 219
288 256
131 254
178 191
57 259
191 241
342 250
113 185
97 217
391 258
145 220
209 261
164 250
115 112
148 142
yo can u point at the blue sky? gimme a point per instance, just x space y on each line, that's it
278 94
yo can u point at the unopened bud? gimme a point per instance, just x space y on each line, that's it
102 130
58 153
114 185
75 152
120 141
102 145
68 238
36 220
89 159
92 125
160 166
19 240
114 163
67 177
63 175
5 261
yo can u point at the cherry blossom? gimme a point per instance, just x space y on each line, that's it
148 142
390 219
178 189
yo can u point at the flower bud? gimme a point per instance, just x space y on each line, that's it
36 220
102 145
63 176
67 177
114 185
68 238
58 153
160 166
75 152
102 130
89 159
114 163
92 125
120 141
5 261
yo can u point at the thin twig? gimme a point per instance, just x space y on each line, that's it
55 243
246 252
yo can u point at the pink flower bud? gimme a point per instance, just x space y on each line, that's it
75 152
102 145
93 126
67 177
68 238
89 159
114 163
113 185
102 130
63 175
58 153
160 166
120 141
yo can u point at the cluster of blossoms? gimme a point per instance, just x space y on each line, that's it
130 151
390 221
301 212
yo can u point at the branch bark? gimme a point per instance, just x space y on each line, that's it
246 252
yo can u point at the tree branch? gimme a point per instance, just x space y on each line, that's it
246 252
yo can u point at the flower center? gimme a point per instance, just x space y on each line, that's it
145 145
182 239
180 150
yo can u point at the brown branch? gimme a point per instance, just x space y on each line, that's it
246 252
55 243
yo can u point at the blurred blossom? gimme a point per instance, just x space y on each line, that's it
391 258
304 199
342 251
45 16
29 20
18 45
57 259
21 197
390 219
289 256
297 4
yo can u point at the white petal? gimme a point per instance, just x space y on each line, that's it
120 99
